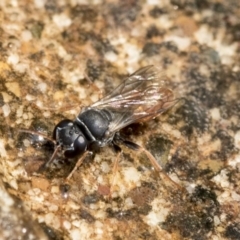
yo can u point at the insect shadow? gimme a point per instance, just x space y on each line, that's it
140 97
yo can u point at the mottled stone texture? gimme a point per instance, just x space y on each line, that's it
59 56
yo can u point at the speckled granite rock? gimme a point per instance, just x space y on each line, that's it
47 48
15 221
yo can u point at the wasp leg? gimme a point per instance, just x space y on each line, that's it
79 162
115 165
107 190
60 108
166 179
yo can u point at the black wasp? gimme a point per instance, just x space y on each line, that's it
140 97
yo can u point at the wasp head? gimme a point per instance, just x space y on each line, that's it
70 138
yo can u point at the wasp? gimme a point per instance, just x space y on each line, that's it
140 97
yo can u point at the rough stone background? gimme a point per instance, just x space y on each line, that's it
47 48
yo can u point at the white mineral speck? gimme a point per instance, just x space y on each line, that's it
203 35
25 116
67 225
42 87
73 76
53 208
111 57
105 167
6 110
237 139
85 230
183 43
215 114
30 115
153 218
14 87
131 174
13 184
100 214
223 217
26 143
98 227
7 200
128 202
165 22
97 159
153 2
99 231
63 53
13 59
216 220
46 114
97 2
133 53
235 161
39 3
30 97
36 191
62 21
75 234
49 218
93 206
94 98
14 3
190 188
26 36
21 67
226 52
55 189
222 179
235 196
176 133
3 152
6 97
225 196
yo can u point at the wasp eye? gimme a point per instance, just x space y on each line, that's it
80 144
79 147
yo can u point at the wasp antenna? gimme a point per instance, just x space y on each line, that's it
58 108
94 86
37 133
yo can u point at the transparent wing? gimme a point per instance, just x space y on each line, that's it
141 96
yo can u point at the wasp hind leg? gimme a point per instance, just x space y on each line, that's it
166 179
118 150
93 85
107 190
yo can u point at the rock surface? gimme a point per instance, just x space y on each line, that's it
50 54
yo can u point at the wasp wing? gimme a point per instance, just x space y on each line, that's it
141 96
